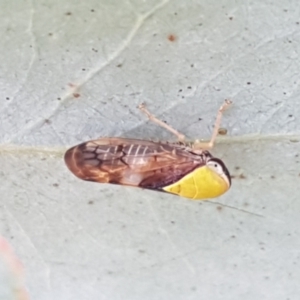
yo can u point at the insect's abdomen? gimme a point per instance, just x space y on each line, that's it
200 184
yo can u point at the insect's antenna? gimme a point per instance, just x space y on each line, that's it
236 208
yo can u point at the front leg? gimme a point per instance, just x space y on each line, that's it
207 146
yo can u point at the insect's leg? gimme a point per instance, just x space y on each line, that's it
210 144
152 118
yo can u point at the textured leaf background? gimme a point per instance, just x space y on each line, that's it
76 70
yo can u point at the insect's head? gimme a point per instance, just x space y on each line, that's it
216 165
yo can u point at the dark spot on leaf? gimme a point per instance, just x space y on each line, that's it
172 37
222 131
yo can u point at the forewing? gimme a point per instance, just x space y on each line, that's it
130 162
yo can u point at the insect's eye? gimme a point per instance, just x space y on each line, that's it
215 166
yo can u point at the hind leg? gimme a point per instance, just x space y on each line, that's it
152 118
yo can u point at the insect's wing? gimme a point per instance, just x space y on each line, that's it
130 162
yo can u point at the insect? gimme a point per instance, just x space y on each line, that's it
182 168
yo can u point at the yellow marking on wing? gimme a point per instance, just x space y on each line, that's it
201 184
